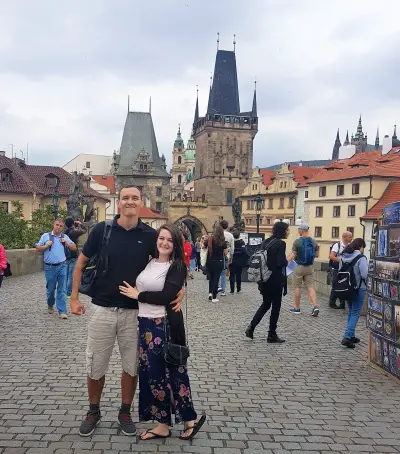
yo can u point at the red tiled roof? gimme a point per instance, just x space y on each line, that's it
302 174
28 179
391 194
267 175
148 213
107 181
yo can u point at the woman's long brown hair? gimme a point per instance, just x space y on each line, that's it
218 236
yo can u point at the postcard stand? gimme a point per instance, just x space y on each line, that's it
383 285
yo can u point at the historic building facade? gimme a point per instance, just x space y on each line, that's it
183 168
138 162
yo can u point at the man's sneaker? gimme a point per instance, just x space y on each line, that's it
223 294
126 424
275 339
215 300
209 296
295 311
355 340
88 425
219 290
348 343
63 316
315 311
249 332
50 309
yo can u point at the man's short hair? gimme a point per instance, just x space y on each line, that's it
129 186
224 224
58 220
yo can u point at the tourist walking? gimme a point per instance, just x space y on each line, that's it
193 259
130 245
55 246
74 230
217 250
353 255
240 260
228 258
164 387
276 286
304 252
334 260
198 252
188 252
3 262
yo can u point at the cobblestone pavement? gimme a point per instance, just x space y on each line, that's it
306 396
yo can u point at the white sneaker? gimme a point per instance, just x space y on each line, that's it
216 300
210 296
223 294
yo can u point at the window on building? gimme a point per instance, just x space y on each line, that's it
281 184
5 206
322 191
158 206
281 202
270 204
229 196
355 189
306 194
285 184
319 212
88 164
318 232
351 211
51 181
291 202
223 171
179 179
335 232
340 189
249 204
350 229
268 221
336 211
179 159
6 176
158 192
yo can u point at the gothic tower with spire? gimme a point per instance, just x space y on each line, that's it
224 137
336 147
359 140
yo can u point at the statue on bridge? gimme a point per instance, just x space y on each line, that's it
237 215
74 202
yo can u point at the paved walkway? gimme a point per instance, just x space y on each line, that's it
305 396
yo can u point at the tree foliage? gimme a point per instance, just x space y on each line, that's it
17 233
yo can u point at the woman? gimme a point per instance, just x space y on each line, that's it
217 251
3 262
355 250
239 261
276 285
198 249
163 388
192 259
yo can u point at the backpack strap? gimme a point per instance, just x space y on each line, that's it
51 238
104 246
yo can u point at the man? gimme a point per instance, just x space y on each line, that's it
334 257
304 252
231 249
74 230
130 246
53 245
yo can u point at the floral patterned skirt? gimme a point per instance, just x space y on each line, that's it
163 389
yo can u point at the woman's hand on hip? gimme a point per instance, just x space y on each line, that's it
129 291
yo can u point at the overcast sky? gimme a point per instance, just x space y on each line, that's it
66 69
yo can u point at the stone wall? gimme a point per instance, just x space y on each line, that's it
24 261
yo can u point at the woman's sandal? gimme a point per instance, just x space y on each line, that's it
195 428
154 435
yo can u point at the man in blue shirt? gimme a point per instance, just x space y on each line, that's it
53 246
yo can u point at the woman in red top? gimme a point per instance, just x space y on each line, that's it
3 262
187 247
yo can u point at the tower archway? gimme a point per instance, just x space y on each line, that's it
191 226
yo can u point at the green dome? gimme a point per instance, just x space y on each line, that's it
190 154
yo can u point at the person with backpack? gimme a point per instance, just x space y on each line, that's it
334 260
350 285
240 260
55 246
74 230
304 250
217 250
3 262
276 285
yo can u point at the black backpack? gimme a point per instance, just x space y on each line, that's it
97 265
332 264
345 284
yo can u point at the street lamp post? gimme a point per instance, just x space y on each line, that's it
55 202
259 203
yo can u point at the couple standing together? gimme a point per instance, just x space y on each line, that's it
143 288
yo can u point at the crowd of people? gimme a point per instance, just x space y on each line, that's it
138 302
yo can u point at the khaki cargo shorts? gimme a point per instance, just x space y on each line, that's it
303 274
106 325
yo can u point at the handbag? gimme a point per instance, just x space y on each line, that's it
176 354
7 271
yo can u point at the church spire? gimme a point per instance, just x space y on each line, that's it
359 133
336 146
178 141
347 142
254 108
395 132
196 110
377 139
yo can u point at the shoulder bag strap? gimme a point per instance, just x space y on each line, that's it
104 247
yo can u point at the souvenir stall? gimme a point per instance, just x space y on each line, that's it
383 285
